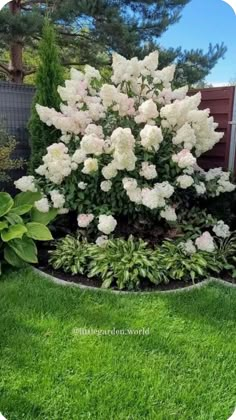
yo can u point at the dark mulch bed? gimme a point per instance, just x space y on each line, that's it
146 286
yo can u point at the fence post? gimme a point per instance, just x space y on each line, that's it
232 151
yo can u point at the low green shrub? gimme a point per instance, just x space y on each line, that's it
227 253
70 255
7 147
124 263
179 265
20 226
128 263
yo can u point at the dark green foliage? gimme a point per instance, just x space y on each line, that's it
90 30
19 229
49 76
7 148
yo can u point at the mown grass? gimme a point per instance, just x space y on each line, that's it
184 369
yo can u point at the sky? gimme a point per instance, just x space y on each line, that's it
204 22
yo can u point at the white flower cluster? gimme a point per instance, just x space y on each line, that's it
137 124
26 183
107 224
84 220
188 247
151 137
185 181
222 180
57 163
205 242
152 198
184 159
221 229
148 171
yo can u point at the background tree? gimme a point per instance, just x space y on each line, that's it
49 75
90 30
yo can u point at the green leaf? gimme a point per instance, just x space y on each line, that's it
11 257
14 218
20 210
6 203
3 225
44 218
13 232
26 198
38 231
106 284
25 248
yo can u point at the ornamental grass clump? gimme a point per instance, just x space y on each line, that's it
127 148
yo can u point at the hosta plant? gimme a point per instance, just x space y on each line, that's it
127 264
127 148
70 255
227 253
124 263
20 226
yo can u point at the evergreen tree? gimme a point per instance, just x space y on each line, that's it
90 30
48 77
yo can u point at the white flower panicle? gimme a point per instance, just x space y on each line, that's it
184 159
169 214
84 220
188 247
42 205
129 131
102 241
58 199
151 137
221 229
185 181
107 224
26 183
205 242
148 171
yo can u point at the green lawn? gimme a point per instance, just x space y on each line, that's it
184 369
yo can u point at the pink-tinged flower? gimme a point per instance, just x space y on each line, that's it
84 220
184 159
205 242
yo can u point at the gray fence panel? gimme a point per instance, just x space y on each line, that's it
15 108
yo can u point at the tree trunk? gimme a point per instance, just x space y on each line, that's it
16 50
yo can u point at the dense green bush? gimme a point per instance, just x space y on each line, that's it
7 148
20 226
49 75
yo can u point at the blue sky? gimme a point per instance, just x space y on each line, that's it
202 22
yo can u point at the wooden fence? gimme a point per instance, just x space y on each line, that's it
15 106
222 104
16 102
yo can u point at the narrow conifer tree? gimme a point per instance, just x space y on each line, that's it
49 76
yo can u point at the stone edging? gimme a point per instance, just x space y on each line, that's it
84 287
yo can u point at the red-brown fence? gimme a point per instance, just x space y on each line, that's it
220 101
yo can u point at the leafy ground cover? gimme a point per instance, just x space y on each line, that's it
184 368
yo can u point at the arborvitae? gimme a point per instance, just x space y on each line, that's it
49 76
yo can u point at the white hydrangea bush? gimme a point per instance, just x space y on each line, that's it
128 147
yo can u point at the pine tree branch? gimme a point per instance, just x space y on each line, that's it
4 69
32 3
29 72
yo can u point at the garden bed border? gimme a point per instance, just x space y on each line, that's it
203 283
